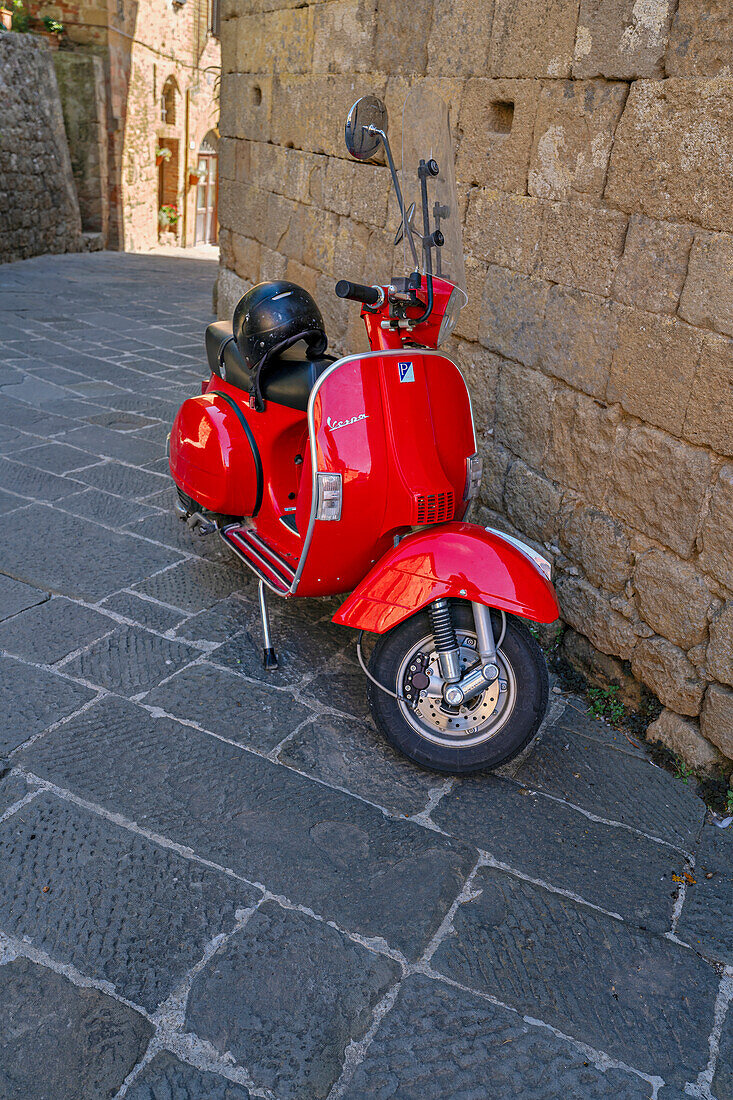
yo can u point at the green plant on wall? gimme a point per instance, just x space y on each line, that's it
163 153
52 25
168 216
21 18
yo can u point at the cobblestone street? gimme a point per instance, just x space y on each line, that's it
218 883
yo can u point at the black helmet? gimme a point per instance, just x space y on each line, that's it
272 317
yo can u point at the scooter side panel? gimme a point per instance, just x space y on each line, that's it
453 559
348 438
211 459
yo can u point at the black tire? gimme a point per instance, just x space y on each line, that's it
521 657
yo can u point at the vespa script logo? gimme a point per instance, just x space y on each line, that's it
334 424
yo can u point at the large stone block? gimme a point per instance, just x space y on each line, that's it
403 31
292 29
720 650
653 368
532 502
459 37
589 611
600 545
298 115
622 39
581 444
672 597
700 42
601 670
716 720
504 229
496 465
512 314
709 415
246 106
717 530
62 1041
480 368
578 337
682 736
495 127
670 155
581 246
343 36
574 133
532 38
707 298
654 265
658 485
664 668
523 409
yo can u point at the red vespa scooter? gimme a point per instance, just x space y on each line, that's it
354 475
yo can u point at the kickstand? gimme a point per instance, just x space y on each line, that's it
269 656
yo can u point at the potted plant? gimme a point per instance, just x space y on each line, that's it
51 29
197 174
168 218
6 18
162 153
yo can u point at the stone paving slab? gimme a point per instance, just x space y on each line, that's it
50 631
350 754
105 508
31 699
608 866
285 996
12 789
130 660
707 916
146 613
57 458
219 622
33 484
60 1042
723 1079
74 557
641 998
108 444
227 704
123 481
16 596
269 824
301 652
193 585
118 907
439 1042
576 719
614 785
166 1078
341 686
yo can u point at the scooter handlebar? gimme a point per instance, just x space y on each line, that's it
368 295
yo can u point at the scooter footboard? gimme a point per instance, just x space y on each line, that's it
459 560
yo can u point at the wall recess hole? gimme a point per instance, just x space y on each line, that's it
256 95
501 116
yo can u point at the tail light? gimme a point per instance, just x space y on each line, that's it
474 471
329 496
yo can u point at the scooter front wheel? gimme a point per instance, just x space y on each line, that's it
485 732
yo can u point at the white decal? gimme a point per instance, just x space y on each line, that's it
334 424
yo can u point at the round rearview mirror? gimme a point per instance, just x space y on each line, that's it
367 112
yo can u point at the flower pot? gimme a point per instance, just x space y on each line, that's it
6 18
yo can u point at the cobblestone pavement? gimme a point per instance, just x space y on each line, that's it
218 883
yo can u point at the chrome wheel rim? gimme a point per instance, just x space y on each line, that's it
474 723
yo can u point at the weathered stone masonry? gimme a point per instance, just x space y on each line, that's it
39 211
595 161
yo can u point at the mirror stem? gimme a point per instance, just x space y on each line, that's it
398 191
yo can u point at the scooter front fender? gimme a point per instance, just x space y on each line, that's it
453 559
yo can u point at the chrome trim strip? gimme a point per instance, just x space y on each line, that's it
277 562
312 442
251 565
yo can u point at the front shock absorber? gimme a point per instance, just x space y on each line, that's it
446 642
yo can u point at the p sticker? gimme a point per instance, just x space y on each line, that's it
407 372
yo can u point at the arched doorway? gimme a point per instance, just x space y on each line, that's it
207 191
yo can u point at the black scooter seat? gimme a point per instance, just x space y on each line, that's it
286 380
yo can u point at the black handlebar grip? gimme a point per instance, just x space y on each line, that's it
368 295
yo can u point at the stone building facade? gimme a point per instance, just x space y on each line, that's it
595 162
39 211
160 62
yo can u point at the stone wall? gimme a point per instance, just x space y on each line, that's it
594 161
80 78
39 211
